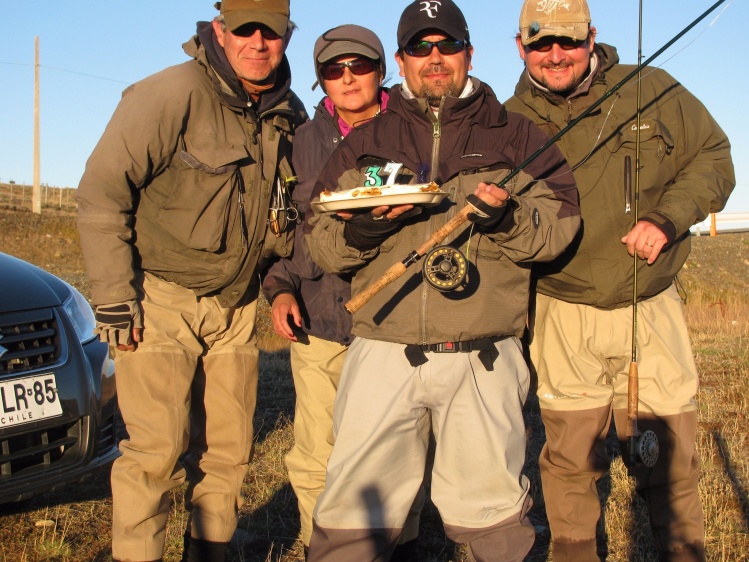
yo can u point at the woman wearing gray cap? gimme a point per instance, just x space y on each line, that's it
308 304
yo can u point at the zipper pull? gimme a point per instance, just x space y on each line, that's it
627 185
240 201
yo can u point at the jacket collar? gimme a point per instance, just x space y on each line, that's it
204 48
473 108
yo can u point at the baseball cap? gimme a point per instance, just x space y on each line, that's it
273 13
442 15
347 40
539 18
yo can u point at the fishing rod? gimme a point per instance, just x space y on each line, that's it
398 269
641 447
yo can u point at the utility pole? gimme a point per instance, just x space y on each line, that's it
36 198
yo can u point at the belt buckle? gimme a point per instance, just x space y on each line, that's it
447 347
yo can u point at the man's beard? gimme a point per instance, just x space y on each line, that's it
555 87
435 92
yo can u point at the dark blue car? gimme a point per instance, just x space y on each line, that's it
58 402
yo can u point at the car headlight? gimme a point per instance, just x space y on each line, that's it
80 314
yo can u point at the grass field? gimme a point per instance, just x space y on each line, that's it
73 524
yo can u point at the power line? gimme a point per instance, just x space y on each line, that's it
67 71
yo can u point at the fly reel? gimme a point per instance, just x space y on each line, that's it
646 448
445 268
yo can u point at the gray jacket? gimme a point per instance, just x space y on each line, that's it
323 295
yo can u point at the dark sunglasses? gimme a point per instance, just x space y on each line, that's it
565 43
445 47
249 29
359 67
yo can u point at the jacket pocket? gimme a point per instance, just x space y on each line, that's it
196 212
657 165
655 139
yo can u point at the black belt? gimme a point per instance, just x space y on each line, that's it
416 354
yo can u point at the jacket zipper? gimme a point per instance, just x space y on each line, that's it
242 218
436 138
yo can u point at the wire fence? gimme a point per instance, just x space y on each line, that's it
19 196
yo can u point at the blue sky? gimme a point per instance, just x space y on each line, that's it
90 51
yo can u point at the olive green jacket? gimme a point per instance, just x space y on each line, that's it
179 184
686 173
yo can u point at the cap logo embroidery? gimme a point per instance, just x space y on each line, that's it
430 7
549 6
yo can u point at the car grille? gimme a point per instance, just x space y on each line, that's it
107 434
55 446
28 340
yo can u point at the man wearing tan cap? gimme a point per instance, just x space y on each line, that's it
177 215
581 341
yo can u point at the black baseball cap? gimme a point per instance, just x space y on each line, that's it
441 15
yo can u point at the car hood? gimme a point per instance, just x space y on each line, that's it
24 286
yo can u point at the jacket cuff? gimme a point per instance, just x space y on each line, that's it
664 224
274 286
281 292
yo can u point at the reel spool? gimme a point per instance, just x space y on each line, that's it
643 449
445 268
647 448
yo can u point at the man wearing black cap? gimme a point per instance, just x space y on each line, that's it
423 359
175 220
581 342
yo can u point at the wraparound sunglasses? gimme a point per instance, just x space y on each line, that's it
359 67
445 47
565 43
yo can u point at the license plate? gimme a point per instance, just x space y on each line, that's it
28 400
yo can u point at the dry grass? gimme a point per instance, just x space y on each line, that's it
74 522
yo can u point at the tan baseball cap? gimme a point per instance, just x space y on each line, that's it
273 13
558 18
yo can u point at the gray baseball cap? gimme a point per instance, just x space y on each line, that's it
347 39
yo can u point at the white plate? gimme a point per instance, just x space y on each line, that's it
28 399
364 201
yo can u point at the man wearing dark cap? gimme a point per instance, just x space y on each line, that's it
176 216
582 332
423 360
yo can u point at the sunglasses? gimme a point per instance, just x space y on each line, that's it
445 47
358 67
565 43
249 29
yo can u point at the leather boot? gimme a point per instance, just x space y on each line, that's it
406 552
199 550
689 553
578 551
